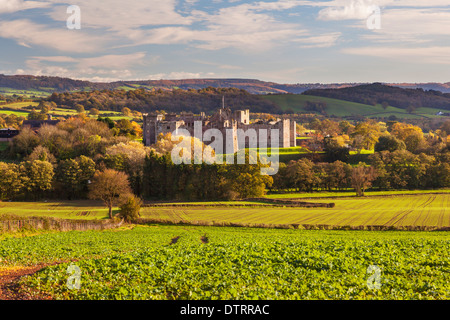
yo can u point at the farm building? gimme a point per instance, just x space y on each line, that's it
6 134
36 124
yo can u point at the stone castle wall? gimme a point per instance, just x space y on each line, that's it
243 133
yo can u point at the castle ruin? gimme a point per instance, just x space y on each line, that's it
236 129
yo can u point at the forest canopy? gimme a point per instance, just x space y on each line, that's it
203 100
378 93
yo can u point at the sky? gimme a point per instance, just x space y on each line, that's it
284 41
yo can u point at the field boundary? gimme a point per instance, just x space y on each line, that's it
356 197
146 221
265 203
41 223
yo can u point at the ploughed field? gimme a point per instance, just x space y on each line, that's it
187 262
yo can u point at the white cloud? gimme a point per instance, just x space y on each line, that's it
9 6
28 33
101 68
320 41
176 75
348 10
416 22
432 55
238 27
119 15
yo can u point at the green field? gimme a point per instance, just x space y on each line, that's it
42 93
203 263
405 211
401 211
17 109
16 113
341 108
159 261
284 154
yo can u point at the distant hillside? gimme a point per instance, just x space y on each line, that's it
43 85
57 84
203 100
378 93
301 103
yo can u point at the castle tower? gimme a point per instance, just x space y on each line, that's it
293 133
150 128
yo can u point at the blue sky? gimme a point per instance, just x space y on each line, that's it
285 41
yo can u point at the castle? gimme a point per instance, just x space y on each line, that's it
236 129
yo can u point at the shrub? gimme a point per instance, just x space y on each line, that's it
129 210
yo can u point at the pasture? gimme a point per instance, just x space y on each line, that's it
20 109
341 108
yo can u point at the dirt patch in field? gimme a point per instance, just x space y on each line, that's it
204 239
9 277
174 240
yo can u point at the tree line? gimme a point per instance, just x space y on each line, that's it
177 100
385 170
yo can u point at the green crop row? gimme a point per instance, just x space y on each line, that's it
169 262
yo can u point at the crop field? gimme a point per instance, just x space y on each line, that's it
405 211
174 262
83 209
402 211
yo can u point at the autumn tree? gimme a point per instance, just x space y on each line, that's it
445 127
38 177
111 187
301 175
128 157
389 143
369 132
362 178
94 112
24 143
79 108
126 111
41 153
10 181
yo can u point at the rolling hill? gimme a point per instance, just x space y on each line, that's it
378 93
44 85
195 95
334 107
